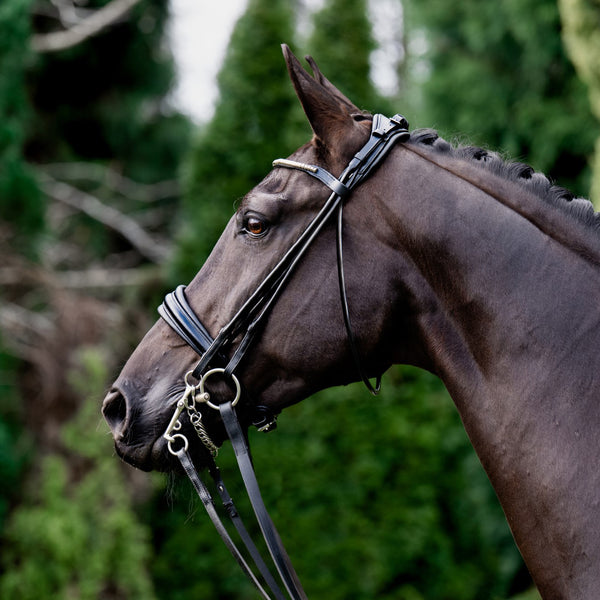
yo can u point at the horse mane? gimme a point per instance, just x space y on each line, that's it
536 183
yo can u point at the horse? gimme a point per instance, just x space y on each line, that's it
475 269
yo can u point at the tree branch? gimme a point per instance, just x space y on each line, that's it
89 27
64 11
25 328
141 192
94 278
107 215
107 279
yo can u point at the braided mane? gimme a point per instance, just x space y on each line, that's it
524 175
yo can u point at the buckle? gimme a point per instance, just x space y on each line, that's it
264 419
383 126
400 121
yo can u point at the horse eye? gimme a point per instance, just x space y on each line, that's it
255 226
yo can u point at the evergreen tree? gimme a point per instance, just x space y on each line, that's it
21 206
77 535
498 74
581 22
104 102
21 222
69 527
15 442
105 98
250 127
342 43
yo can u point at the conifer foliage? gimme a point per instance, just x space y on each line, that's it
250 128
89 151
497 75
21 204
375 498
581 32
346 22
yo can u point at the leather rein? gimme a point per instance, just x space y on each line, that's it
176 311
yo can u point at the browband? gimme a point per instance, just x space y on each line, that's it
334 184
385 132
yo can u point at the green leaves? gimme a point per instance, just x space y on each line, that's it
251 127
20 201
76 534
499 77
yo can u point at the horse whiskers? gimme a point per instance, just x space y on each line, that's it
175 393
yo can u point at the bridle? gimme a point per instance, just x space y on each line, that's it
176 311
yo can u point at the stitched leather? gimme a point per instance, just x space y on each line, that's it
206 498
270 534
176 311
243 532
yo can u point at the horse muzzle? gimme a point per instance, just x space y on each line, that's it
130 447
146 431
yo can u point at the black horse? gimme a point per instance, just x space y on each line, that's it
479 271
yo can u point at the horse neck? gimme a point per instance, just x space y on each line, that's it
507 318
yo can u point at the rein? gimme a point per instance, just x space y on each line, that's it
176 311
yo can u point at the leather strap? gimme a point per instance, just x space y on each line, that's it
176 311
233 514
274 544
324 176
346 310
207 501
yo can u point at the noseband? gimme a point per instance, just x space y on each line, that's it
215 360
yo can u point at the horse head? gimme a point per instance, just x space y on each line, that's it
302 345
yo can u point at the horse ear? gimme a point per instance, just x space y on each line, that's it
320 78
325 106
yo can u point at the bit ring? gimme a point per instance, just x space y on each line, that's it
172 438
205 396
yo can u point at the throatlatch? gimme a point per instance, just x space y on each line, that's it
217 358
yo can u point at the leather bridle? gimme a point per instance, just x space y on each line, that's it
176 311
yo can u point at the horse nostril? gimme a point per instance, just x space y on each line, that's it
114 410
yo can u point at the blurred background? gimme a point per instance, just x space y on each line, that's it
128 130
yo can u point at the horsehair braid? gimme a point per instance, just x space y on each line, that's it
516 172
579 231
